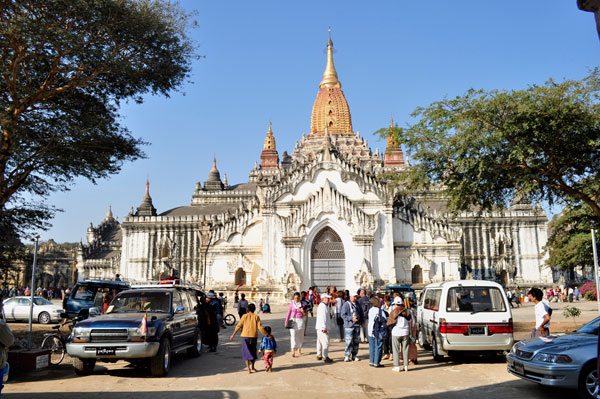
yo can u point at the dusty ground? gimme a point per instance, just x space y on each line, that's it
221 374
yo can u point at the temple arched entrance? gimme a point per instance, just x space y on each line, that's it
328 266
417 275
240 277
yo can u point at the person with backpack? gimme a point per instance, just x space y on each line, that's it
399 318
377 331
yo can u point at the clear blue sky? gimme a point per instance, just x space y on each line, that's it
265 59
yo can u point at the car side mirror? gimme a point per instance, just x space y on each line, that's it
94 311
179 309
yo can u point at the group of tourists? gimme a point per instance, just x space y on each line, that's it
387 323
557 294
566 294
47 293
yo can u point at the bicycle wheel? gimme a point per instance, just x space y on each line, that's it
230 319
57 349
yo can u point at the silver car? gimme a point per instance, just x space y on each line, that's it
567 361
44 311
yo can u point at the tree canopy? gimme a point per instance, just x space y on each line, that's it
65 67
485 147
570 242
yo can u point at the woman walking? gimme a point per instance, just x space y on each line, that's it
412 329
294 321
339 302
400 333
387 308
242 306
250 325
375 342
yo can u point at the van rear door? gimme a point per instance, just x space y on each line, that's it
477 316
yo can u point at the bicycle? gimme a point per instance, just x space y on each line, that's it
229 319
57 342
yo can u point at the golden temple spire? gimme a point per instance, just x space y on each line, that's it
330 78
269 140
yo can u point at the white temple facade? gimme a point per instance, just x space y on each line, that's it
322 216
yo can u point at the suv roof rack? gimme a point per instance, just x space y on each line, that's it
165 284
103 281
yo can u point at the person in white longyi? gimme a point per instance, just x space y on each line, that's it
323 326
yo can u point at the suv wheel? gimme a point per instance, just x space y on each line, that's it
84 366
196 348
435 349
161 363
588 382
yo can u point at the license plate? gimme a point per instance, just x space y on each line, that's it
477 330
519 369
106 351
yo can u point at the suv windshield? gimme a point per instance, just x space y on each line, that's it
591 327
141 301
475 300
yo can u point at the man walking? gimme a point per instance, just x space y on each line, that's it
364 302
353 321
323 326
542 313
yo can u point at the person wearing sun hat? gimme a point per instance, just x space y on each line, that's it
399 318
323 327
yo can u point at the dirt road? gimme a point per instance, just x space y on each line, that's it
222 375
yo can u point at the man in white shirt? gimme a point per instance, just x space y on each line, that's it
323 326
542 316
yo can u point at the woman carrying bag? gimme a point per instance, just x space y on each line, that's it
294 321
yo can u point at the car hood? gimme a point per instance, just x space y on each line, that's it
119 320
49 308
559 343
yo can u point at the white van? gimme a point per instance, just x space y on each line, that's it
464 315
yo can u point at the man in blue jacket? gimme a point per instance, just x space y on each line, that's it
353 321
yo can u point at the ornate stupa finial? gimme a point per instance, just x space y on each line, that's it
393 157
330 108
214 178
269 158
270 139
330 77
146 208
392 140
109 214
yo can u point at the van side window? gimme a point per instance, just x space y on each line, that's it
435 300
427 302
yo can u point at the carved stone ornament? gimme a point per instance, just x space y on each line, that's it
364 277
240 261
292 278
